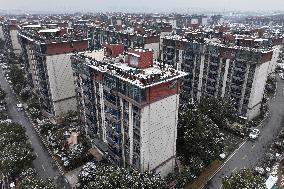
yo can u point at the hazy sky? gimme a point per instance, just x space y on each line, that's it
141 5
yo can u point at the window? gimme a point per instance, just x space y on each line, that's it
133 61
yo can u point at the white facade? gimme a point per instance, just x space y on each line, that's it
257 93
119 22
15 42
159 134
1 33
204 21
32 63
155 47
273 62
194 21
61 83
173 23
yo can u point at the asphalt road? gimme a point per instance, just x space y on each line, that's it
251 152
43 163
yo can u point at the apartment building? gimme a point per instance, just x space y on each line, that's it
232 66
10 32
46 53
1 28
136 36
129 106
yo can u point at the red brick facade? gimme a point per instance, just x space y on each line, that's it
266 56
145 59
160 91
151 39
113 50
66 47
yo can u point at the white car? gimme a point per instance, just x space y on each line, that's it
20 107
281 75
254 134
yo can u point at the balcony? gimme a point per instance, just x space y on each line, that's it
240 69
113 143
114 130
238 79
114 155
214 64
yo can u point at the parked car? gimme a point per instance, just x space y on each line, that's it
4 67
2 108
254 134
20 107
281 75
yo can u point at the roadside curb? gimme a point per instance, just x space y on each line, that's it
267 114
225 162
60 169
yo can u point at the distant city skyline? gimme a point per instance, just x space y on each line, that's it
141 6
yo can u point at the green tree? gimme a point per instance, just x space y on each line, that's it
94 176
219 110
244 179
198 138
17 77
15 151
69 118
34 103
199 142
32 182
35 113
25 94
2 94
2 44
47 126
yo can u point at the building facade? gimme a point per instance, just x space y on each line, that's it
10 30
46 53
215 69
129 105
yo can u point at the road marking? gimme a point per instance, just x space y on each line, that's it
245 156
253 146
43 167
234 170
227 160
36 154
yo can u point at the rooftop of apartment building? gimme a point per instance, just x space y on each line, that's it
135 66
254 39
136 28
51 33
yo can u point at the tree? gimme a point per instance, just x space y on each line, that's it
100 176
244 179
2 44
47 127
31 182
34 107
15 151
199 142
34 103
219 110
69 118
25 94
198 137
17 77
76 154
35 113
2 94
